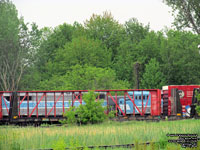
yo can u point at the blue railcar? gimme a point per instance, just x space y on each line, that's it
139 96
41 106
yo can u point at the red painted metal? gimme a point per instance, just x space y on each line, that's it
72 99
133 104
63 102
59 91
125 102
80 97
146 103
54 106
142 105
23 99
115 101
1 111
156 103
45 104
186 93
19 106
27 104
132 100
5 104
107 102
37 104
20 102
77 96
10 99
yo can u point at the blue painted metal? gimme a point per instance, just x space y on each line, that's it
137 101
50 104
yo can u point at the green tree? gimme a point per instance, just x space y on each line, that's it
180 57
136 31
148 48
52 41
152 78
16 46
30 75
186 13
84 78
124 61
80 51
127 51
106 29
9 44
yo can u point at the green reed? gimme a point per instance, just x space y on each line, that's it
108 133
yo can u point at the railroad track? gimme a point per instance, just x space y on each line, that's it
107 146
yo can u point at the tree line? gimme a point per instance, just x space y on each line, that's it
97 54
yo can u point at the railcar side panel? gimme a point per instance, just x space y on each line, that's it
185 94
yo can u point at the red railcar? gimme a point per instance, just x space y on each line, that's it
185 95
36 106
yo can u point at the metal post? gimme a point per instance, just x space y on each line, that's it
27 104
19 104
107 104
63 103
54 104
125 102
80 97
10 98
45 104
1 112
36 104
116 102
72 99
133 105
142 105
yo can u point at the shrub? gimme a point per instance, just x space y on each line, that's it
70 114
91 112
198 104
59 145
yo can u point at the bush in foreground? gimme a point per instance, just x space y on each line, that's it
91 112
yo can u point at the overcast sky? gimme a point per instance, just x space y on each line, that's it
55 12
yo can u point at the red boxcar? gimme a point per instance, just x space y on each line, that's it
185 93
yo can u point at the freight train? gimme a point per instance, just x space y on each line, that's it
49 106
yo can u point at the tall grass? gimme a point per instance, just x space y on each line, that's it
109 133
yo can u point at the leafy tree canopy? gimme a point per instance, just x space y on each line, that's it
180 57
106 29
80 51
152 78
84 78
186 13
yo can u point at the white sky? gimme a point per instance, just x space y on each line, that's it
55 12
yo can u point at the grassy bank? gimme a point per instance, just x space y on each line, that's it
111 133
